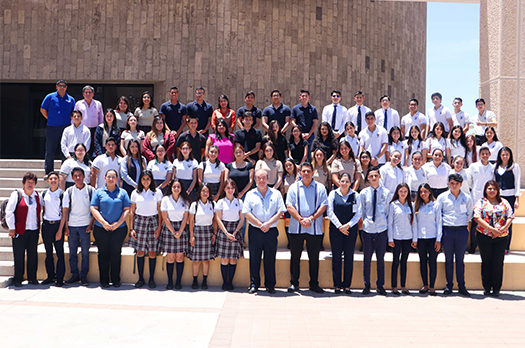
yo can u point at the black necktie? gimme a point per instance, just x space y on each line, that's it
374 203
334 115
385 123
358 119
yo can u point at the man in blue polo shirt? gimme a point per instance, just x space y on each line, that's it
249 98
174 112
305 116
56 108
276 111
202 110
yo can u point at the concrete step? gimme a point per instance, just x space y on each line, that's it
14 183
6 253
26 163
5 240
7 268
18 173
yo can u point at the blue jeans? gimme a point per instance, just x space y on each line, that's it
53 137
455 241
76 233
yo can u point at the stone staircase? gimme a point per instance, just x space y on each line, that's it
11 172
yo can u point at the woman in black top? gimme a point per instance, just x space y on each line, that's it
298 146
326 141
277 139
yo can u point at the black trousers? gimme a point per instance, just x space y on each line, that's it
313 247
427 260
401 251
49 232
374 242
492 252
26 242
511 200
262 242
109 245
340 244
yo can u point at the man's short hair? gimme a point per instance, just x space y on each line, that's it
384 96
53 172
359 93
78 169
335 91
436 94
88 87
249 93
413 99
76 112
484 147
61 81
192 117
460 100
200 89
370 113
305 91
275 91
480 100
306 164
247 114
111 139
29 176
456 177
174 87
372 169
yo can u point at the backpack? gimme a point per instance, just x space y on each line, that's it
61 198
69 192
3 207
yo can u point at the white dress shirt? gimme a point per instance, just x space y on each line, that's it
351 115
399 226
146 201
92 115
340 119
380 223
478 175
442 114
437 177
418 119
31 220
230 210
429 221
392 118
356 208
72 136
373 141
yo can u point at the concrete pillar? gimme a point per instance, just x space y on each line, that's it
502 70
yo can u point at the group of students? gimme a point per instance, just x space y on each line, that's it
199 183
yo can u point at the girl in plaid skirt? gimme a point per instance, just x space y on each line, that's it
213 173
145 225
230 219
175 236
203 232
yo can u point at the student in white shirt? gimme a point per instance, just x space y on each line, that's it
458 167
75 134
130 133
437 141
414 118
185 169
79 159
386 116
472 151
161 168
391 174
437 173
482 120
492 143
415 175
351 137
212 172
230 219
374 139
460 117
52 230
396 143
429 233
105 162
357 113
203 234
414 143
440 113
402 234
337 110
145 225
456 144
175 237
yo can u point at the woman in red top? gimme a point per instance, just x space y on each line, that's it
159 134
223 112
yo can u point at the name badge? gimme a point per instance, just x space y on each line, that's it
463 208
423 230
354 208
428 209
381 207
407 210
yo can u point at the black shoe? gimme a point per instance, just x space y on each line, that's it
204 285
464 292
17 284
169 286
293 288
348 291
33 282
195 285
433 293
60 283
447 292
117 285
224 287
423 291
178 286
252 290
495 293
139 284
231 287
270 290
317 289
48 281
73 279
152 284
104 285
84 281
338 290
396 292
487 293
471 250
406 292
381 291
366 290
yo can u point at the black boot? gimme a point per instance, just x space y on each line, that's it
195 284
169 271
152 264
204 282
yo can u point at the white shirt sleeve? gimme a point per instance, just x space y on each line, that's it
10 210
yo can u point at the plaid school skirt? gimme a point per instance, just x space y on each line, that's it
171 245
214 188
227 249
203 250
145 227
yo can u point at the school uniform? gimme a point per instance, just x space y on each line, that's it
391 177
184 172
414 178
509 180
130 175
402 232
478 175
52 204
416 146
437 177
146 220
456 149
160 171
67 167
230 219
175 209
203 250
211 175
372 141
429 231
103 163
399 146
494 148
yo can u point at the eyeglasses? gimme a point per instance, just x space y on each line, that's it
61 86
336 96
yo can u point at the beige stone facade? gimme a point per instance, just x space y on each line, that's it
228 46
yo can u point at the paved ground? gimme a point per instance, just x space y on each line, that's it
49 317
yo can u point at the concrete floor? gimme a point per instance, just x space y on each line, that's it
46 316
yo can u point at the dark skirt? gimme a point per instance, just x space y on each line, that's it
145 227
127 187
171 245
158 182
187 184
204 249
227 249
437 191
214 188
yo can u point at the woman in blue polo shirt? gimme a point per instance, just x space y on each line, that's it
110 208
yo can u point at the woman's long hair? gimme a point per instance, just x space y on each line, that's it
408 200
183 194
152 185
139 155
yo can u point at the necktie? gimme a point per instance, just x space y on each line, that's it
334 115
385 123
358 119
374 203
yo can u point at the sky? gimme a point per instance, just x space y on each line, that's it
453 53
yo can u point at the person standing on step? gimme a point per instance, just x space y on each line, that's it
22 215
175 239
230 220
145 226
52 230
78 224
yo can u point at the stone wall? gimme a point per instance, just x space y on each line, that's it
228 46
